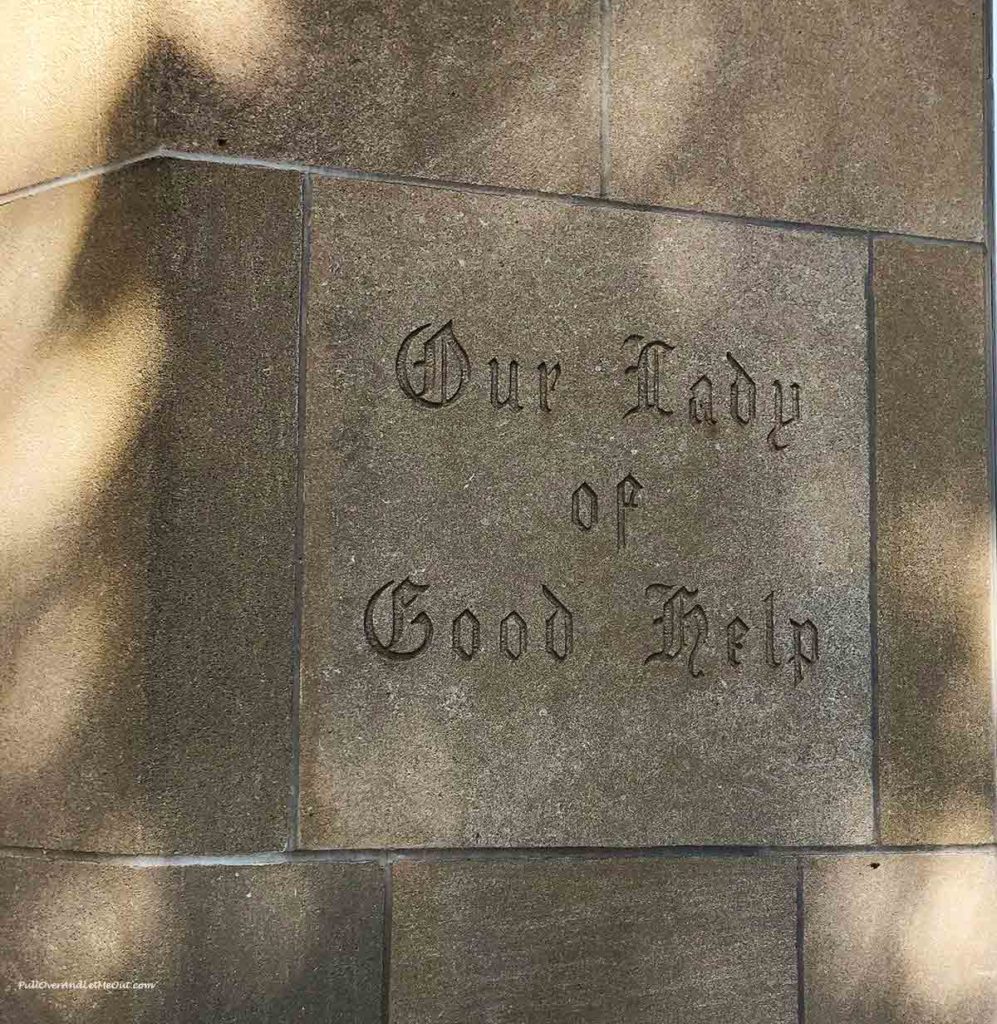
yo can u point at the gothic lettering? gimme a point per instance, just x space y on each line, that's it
466 634
511 399
701 401
647 370
512 636
805 647
584 507
684 627
398 646
547 378
742 393
781 420
627 497
437 376
558 628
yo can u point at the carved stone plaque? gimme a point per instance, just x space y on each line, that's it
586 527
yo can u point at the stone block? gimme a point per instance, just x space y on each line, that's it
626 604
865 115
224 943
599 941
934 528
901 939
147 544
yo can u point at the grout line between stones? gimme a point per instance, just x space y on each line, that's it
386 943
605 50
591 202
447 854
801 991
990 136
71 179
870 312
304 255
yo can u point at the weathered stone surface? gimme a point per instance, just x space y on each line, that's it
147 510
901 939
403 746
500 91
639 940
265 943
74 86
866 114
933 544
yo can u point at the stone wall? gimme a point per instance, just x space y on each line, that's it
496 518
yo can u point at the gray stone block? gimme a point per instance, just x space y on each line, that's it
500 91
933 544
901 939
76 86
146 560
607 612
233 944
599 941
867 114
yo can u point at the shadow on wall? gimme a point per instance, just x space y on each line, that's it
505 91
69 91
95 446
829 113
79 80
146 532
900 938
117 321
81 381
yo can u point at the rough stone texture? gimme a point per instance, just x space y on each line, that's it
147 510
836 113
634 940
933 544
502 91
901 939
476 503
75 86
227 944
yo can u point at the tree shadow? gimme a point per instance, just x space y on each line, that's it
143 661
